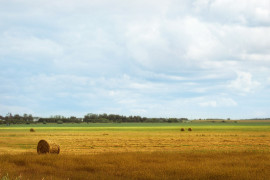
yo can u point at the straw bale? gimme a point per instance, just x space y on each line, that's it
44 147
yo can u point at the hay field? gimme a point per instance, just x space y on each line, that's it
139 151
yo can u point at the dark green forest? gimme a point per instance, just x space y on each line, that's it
88 118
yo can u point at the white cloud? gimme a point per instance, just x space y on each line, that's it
244 12
151 57
244 83
29 47
217 102
228 102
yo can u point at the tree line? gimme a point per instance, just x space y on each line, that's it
88 118
115 118
16 119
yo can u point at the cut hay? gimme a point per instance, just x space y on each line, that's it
189 129
45 147
32 130
182 129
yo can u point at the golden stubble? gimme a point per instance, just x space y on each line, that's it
95 142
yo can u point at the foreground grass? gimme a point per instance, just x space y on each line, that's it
156 165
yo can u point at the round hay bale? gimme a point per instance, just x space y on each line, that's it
32 130
189 129
45 147
182 129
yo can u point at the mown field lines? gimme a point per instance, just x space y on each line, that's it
92 142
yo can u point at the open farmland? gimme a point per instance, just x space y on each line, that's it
218 148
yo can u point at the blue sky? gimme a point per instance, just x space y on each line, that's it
154 58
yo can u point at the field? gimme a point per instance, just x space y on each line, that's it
138 151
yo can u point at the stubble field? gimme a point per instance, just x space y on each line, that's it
138 151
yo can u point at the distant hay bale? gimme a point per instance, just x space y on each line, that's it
32 130
182 129
189 129
45 147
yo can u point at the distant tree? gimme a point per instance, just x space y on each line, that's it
90 118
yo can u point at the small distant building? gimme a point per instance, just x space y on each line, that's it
36 119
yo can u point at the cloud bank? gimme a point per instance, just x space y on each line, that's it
195 59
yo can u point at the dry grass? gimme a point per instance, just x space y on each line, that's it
110 154
157 165
94 142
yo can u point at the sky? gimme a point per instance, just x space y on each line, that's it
153 58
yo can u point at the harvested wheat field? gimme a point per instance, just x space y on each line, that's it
138 151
